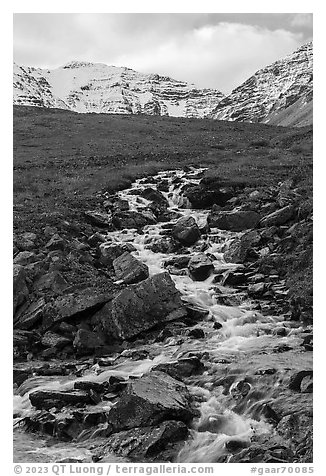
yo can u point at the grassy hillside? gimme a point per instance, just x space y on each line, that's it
62 160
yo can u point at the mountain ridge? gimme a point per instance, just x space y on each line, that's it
280 93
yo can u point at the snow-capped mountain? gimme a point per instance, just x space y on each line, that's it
99 88
280 93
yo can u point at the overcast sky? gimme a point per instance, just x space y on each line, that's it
210 50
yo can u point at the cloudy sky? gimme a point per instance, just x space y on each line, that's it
215 50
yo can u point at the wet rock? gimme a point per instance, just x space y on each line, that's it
20 375
203 196
96 239
20 289
100 219
180 261
308 342
56 243
154 196
296 382
195 313
51 339
46 399
110 251
233 278
184 367
150 400
164 245
236 220
82 303
186 231
25 257
132 219
141 306
139 443
164 334
86 342
196 333
200 267
217 325
279 217
239 250
129 269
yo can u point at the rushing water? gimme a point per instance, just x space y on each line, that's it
245 339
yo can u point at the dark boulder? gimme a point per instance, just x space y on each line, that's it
142 306
110 251
200 267
150 400
202 196
147 442
279 217
236 220
100 219
184 367
129 269
132 219
186 231
240 249
82 303
46 399
56 243
164 245
155 196
51 339
86 342
31 316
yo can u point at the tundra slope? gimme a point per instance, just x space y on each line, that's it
279 94
95 87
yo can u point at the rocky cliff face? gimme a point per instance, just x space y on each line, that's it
279 94
88 87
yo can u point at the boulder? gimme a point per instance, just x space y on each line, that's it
142 306
110 251
51 339
53 281
129 269
86 342
179 262
46 399
25 241
186 231
297 381
132 219
20 289
56 243
100 219
31 316
82 303
200 267
184 367
155 196
150 400
279 217
202 196
236 220
164 245
139 443
239 250
25 257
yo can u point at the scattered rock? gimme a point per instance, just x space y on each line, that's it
25 257
200 267
129 269
186 231
56 243
110 251
132 219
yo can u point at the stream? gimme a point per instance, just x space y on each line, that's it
239 343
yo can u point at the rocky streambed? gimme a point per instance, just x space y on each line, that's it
193 353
